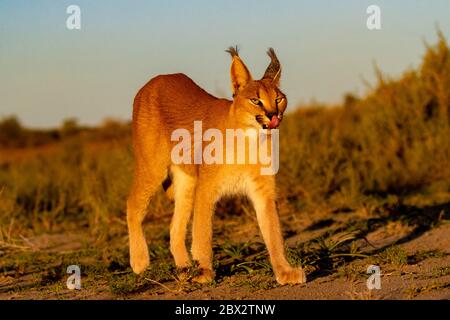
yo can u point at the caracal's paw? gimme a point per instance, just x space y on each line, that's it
139 262
205 276
291 276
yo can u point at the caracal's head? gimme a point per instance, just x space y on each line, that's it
257 103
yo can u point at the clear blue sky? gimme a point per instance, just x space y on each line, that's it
48 73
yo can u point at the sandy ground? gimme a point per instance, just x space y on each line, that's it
426 278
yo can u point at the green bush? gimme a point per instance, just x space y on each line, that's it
394 141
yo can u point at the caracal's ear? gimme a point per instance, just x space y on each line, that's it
273 71
240 75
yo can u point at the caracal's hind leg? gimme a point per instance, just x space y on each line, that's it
152 162
144 187
184 190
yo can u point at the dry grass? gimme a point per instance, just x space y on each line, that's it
392 142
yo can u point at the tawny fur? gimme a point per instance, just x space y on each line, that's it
170 102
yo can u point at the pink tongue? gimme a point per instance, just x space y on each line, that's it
274 122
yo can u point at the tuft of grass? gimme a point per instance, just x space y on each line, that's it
394 255
351 273
236 251
251 267
127 284
326 253
247 257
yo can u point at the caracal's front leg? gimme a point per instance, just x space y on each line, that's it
262 194
204 204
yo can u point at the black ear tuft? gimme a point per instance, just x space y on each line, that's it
233 51
274 68
271 54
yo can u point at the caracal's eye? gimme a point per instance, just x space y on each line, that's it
279 100
255 101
